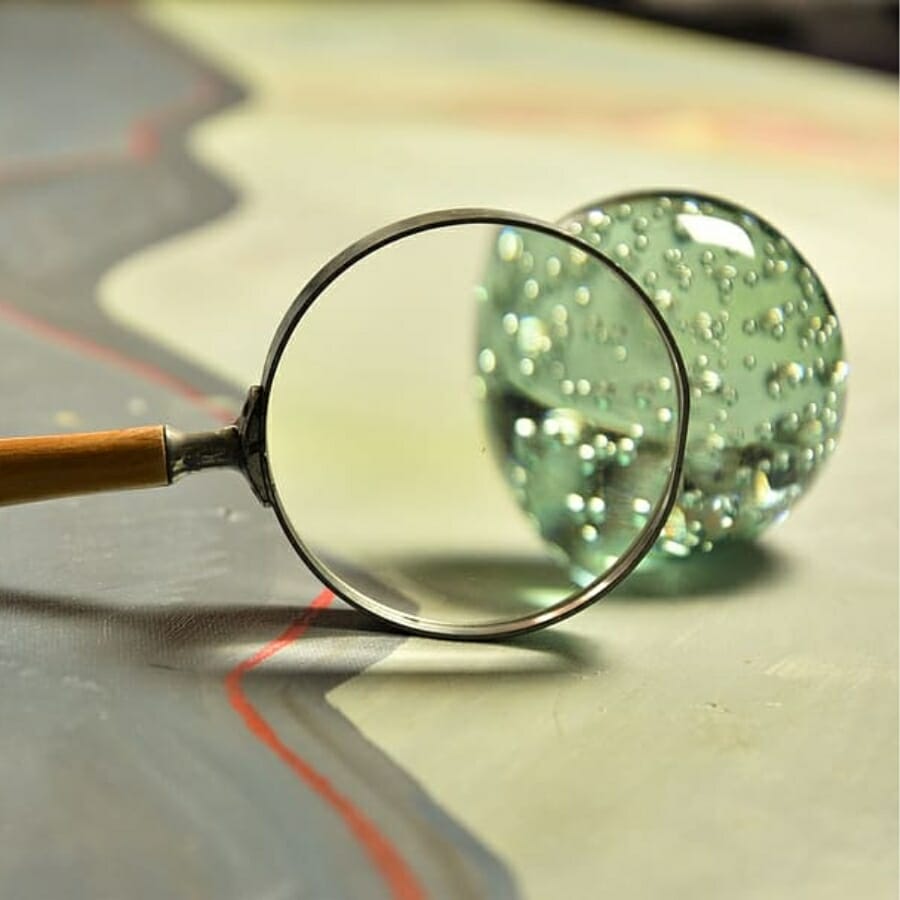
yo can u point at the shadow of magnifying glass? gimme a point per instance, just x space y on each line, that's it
208 639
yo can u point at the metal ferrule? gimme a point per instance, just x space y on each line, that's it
240 446
187 453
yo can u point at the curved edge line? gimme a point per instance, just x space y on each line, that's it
401 882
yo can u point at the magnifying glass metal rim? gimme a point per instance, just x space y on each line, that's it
315 288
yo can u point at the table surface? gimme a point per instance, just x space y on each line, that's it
185 714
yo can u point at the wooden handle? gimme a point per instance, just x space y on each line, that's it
60 465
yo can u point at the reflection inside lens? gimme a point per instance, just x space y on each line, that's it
469 423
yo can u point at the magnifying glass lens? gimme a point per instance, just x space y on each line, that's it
472 422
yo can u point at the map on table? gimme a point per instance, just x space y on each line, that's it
185 712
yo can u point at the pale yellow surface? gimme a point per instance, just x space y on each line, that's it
737 741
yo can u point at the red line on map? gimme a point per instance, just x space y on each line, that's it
401 881
140 141
106 354
145 133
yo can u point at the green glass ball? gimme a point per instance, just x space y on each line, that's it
762 346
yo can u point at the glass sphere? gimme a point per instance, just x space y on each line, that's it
761 343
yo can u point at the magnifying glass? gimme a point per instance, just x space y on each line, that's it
410 394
